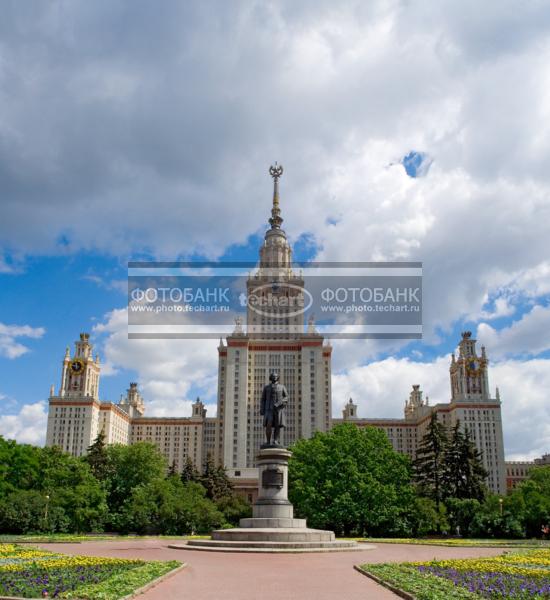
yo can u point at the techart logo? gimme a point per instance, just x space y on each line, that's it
279 300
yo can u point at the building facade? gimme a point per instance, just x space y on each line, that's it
274 341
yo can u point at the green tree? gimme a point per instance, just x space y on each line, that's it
461 513
495 519
46 489
167 506
97 457
234 508
426 518
30 511
463 472
189 472
531 500
70 485
351 480
215 480
130 466
18 466
218 489
429 465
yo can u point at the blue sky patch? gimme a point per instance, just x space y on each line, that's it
417 164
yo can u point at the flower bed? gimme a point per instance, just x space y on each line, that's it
524 575
34 573
519 575
459 542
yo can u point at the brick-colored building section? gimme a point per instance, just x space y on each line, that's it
518 471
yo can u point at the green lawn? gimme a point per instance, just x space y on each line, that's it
44 538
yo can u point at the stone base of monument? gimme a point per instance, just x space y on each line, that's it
272 527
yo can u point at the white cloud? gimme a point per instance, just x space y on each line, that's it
120 285
165 138
533 281
166 369
469 234
9 334
5 267
28 426
379 392
527 336
502 307
525 407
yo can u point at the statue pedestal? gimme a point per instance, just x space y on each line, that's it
272 527
272 502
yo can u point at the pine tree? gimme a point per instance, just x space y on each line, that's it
208 478
189 472
224 488
97 457
172 470
429 465
475 473
454 471
215 480
464 475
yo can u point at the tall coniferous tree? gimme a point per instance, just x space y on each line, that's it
454 467
464 475
215 480
429 465
189 472
172 469
475 474
97 457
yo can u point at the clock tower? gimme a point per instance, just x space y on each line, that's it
74 414
469 379
473 407
80 373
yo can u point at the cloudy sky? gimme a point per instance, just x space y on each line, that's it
408 131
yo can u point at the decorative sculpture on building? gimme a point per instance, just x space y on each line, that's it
276 171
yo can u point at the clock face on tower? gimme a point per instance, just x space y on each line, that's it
77 366
472 366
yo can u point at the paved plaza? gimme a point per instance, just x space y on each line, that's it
230 576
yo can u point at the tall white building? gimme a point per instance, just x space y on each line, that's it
275 340
73 415
272 340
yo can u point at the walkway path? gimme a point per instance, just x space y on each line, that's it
228 576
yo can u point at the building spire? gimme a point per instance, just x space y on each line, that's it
276 220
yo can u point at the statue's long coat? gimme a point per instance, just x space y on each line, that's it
273 404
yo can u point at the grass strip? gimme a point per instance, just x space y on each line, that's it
409 583
125 584
77 539
459 543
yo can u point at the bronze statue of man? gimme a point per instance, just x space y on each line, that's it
272 407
